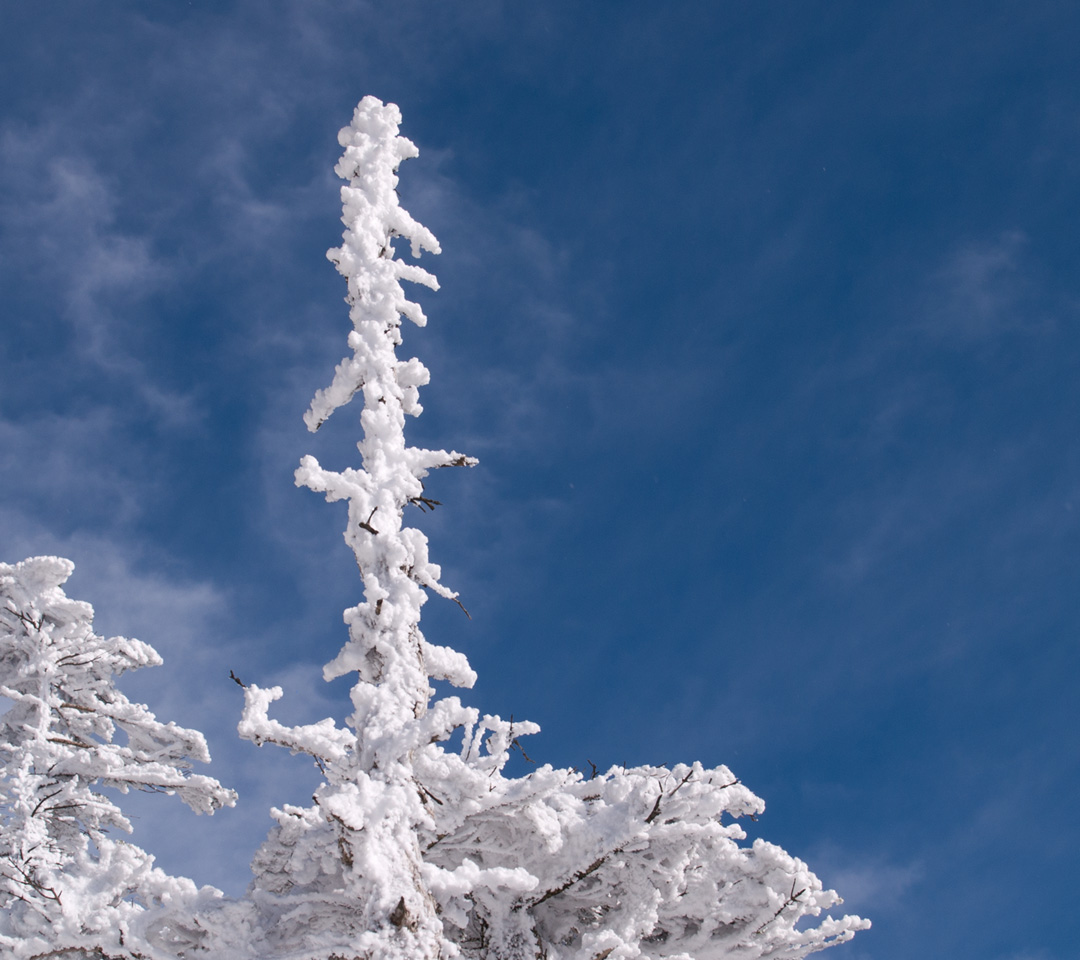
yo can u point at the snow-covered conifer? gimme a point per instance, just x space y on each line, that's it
69 887
346 877
413 851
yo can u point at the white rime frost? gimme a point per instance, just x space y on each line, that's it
68 885
413 851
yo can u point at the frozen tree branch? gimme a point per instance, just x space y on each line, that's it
68 887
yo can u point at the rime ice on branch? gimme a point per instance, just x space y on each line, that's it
413 851
66 883
347 875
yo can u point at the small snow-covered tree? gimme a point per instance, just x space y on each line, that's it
415 851
69 887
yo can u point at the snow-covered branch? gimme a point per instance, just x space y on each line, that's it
66 882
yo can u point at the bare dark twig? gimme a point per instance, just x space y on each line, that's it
43 801
793 898
580 875
684 780
425 503
460 461
426 793
366 524
656 807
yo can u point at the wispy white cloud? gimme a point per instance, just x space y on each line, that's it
904 511
867 885
984 288
975 293
61 230
51 463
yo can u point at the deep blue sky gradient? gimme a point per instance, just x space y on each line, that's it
763 319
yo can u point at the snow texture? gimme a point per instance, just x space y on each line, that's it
412 850
67 883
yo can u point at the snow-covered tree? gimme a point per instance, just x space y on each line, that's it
415 851
69 886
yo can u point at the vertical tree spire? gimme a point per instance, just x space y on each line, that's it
412 851
369 811
385 646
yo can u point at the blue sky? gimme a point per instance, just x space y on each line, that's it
763 320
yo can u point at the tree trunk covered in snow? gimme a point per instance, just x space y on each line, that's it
413 851
346 877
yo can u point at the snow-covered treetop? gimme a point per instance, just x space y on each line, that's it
373 219
414 850
392 660
359 846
